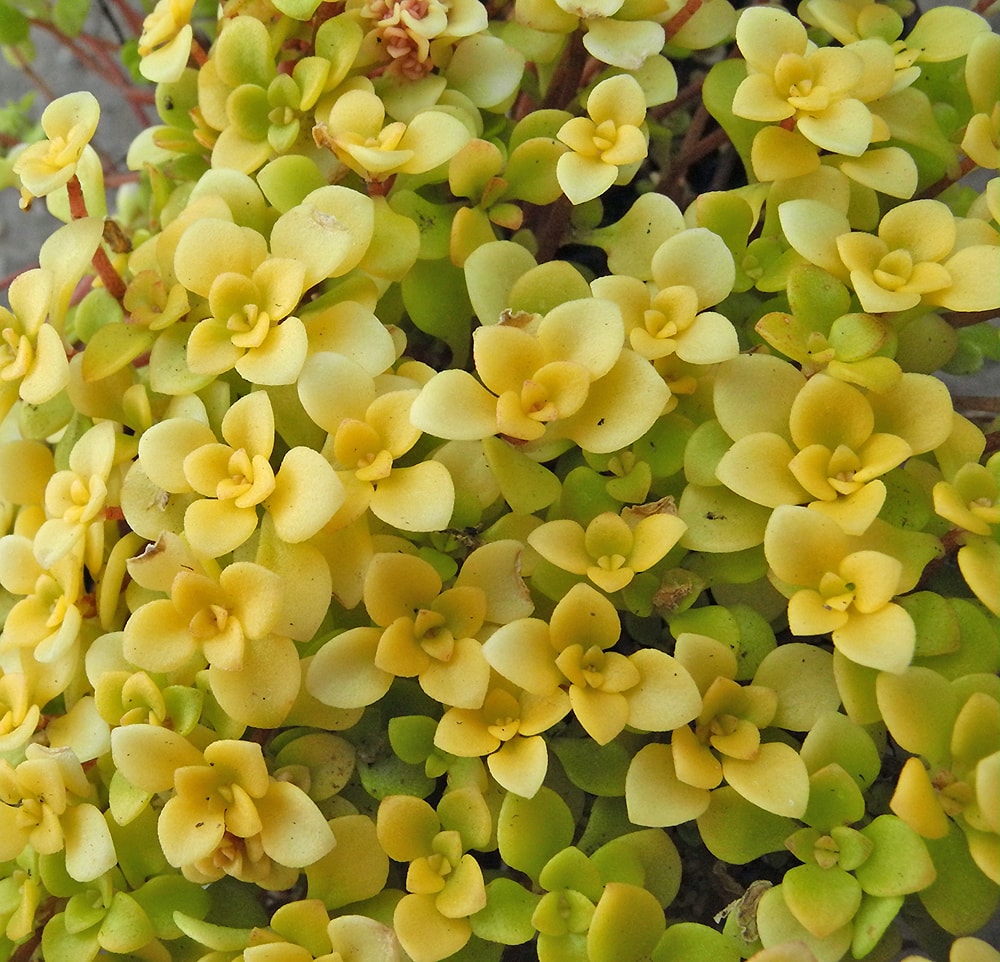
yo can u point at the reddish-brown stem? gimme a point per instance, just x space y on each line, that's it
968 318
198 54
117 179
77 204
71 45
566 83
982 6
673 26
966 165
977 403
693 147
525 103
379 188
706 146
550 228
102 264
112 71
684 96
100 64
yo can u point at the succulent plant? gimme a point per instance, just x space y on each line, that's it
440 518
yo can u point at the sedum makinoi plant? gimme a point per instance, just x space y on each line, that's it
479 487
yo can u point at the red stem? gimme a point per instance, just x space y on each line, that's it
968 318
966 165
684 96
105 269
566 83
198 54
674 25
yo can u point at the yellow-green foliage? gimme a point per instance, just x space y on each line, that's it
430 526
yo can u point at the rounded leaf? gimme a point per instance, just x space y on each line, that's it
655 795
627 923
343 673
899 863
776 780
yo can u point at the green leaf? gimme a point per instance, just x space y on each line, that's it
286 181
720 521
531 171
717 94
653 851
715 621
58 945
835 738
526 485
608 819
834 799
818 295
355 868
737 831
978 652
822 899
432 220
490 273
597 769
435 297
539 290
919 708
69 16
626 926
802 677
899 863
168 370
112 347
926 344
14 25
704 451
871 922
221 938
139 854
531 830
694 942
571 869
936 622
126 927
507 917
412 737
961 900
907 505
777 924
82 913
755 643
585 495
393 776
631 242
163 895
